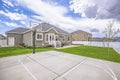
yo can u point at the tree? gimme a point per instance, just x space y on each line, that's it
110 33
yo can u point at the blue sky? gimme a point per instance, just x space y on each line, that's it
69 15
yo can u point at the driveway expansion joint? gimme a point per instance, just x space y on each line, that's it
70 69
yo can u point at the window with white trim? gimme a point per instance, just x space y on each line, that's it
39 36
56 37
46 38
62 37
69 38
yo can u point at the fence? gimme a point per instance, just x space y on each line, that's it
114 45
3 43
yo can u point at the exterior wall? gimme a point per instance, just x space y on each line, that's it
27 39
82 36
68 41
40 43
3 43
44 42
2 38
65 41
50 31
18 38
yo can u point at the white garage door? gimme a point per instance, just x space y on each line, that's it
11 41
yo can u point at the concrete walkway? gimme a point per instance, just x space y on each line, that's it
68 46
53 65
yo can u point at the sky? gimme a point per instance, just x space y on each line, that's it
70 15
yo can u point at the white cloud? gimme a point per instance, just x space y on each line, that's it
22 18
49 13
37 17
22 22
43 8
14 16
8 3
10 24
100 9
56 15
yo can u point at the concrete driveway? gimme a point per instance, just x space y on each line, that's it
53 65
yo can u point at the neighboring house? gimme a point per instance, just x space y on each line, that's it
46 34
15 36
80 35
2 37
3 41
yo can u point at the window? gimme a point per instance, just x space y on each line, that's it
68 38
39 36
62 37
56 37
46 37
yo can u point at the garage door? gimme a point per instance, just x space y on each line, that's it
11 41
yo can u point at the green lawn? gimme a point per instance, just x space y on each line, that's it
89 51
94 52
11 51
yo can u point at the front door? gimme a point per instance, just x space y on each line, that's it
51 38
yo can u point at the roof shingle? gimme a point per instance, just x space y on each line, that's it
79 31
19 30
43 26
46 26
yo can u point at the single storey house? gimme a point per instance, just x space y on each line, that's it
80 35
46 34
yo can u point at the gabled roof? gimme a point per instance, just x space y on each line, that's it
19 30
43 27
79 31
47 26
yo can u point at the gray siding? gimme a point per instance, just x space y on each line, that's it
81 36
27 38
50 31
66 42
40 43
59 38
18 38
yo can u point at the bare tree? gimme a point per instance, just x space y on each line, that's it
110 33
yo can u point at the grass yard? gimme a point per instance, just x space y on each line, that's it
89 51
94 52
12 51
